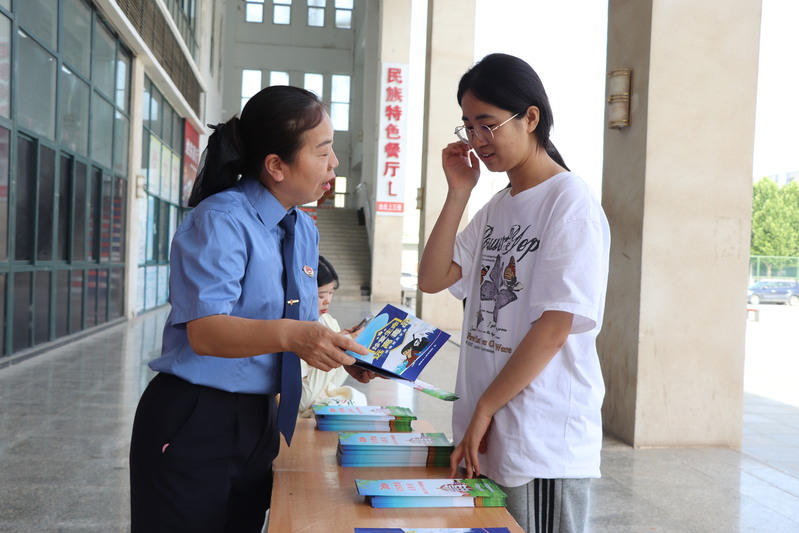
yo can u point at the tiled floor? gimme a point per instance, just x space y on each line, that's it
65 418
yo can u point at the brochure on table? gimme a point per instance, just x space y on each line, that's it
390 493
365 418
431 530
393 449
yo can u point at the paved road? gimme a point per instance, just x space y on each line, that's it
772 353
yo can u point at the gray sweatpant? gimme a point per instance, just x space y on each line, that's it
550 505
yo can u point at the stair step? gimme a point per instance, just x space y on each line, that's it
344 242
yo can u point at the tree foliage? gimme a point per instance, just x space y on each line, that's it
775 220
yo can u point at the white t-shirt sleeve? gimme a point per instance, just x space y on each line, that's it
569 273
466 244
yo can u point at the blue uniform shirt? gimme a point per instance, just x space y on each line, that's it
226 260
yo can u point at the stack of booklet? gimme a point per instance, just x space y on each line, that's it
393 449
477 492
433 530
363 418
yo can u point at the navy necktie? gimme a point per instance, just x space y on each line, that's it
290 378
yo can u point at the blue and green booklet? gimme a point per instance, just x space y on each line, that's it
400 346
393 449
367 418
431 530
476 492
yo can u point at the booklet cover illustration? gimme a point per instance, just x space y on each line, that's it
477 492
399 344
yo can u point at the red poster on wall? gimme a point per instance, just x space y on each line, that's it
390 194
191 160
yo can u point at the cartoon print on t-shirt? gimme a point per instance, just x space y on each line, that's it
509 275
501 289
479 317
498 283
490 287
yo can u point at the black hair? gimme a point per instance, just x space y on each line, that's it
272 122
509 83
325 273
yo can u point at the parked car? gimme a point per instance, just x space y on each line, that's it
408 282
783 292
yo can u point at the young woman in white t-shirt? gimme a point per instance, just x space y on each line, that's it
532 268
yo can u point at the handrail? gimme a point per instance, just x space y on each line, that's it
339 200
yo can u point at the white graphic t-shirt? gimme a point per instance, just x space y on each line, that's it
544 249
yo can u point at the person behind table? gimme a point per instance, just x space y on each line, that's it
319 387
205 435
529 380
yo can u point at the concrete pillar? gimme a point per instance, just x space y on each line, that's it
394 44
136 183
450 24
677 190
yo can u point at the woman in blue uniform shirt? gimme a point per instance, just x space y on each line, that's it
205 432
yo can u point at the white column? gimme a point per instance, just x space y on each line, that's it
677 190
450 32
135 188
395 47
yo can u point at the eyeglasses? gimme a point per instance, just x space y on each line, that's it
484 133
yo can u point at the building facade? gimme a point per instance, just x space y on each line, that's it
99 119
104 106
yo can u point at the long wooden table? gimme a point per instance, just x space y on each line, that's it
313 494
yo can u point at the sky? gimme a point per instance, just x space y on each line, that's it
777 116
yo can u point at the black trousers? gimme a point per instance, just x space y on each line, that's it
201 459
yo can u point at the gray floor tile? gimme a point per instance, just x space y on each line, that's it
65 419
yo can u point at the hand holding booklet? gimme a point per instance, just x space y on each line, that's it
400 346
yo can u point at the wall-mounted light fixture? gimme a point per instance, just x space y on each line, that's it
141 184
619 87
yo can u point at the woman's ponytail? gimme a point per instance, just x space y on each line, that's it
221 163
554 154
